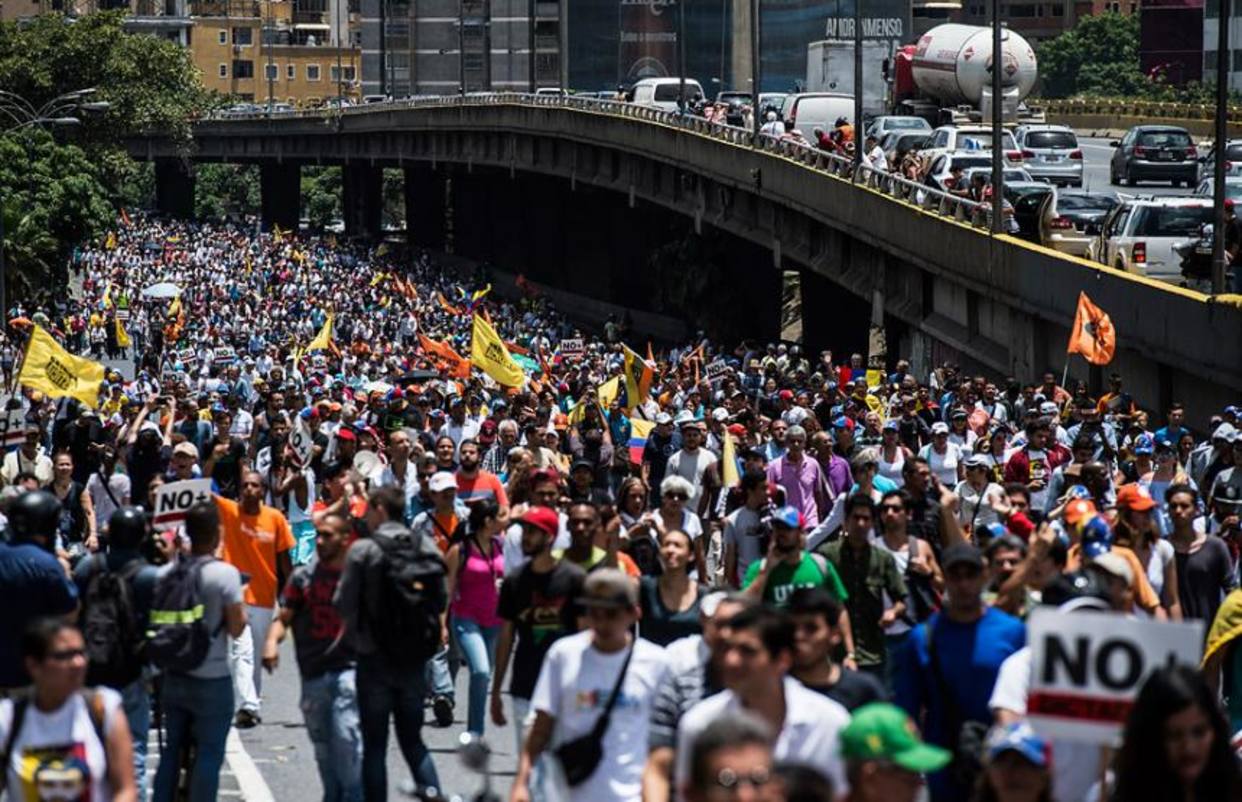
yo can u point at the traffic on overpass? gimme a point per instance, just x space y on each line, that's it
878 441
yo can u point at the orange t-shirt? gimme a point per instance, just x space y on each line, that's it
251 543
447 523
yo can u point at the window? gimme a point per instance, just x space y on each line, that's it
1058 10
271 72
243 36
346 70
224 71
312 72
291 71
243 69
223 37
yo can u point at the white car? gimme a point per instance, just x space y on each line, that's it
1139 234
1233 187
880 126
949 138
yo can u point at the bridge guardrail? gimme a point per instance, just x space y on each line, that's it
894 186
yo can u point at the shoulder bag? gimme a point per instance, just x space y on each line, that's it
581 756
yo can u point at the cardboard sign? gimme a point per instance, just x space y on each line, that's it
12 427
122 315
301 441
223 355
1087 668
174 499
573 347
716 369
187 356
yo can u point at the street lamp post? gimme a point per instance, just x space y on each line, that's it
681 55
755 71
998 142
1219 264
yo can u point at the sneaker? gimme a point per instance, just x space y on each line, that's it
442 707
246 719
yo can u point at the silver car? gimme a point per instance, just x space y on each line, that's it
1051 153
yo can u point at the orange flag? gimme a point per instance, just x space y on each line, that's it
453 362
1093 336
448 307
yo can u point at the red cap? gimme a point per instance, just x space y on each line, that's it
346 433
544 518
737 430
1135 497
785 395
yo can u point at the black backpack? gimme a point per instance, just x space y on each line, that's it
405 623
110 626
178 638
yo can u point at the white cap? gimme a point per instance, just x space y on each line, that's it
663 417
1048 408
940 427
720 414
442 480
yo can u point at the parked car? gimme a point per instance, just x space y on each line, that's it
1233 187
880 126
1051 153
1139 234
663 93
1071 220
939 175
950 138
1018 176
1233 160
1154 153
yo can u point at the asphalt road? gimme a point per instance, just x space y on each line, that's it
1096 155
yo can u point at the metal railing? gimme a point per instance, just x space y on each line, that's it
832 165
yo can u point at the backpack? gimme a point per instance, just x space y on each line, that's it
21 703
405 623
178 638
110 626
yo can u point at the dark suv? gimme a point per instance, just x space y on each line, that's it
1154 153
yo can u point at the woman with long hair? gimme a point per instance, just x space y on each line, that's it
1175 747
639 539
1138 529
892 453
670 602
1017 766
76 535
474 567
75 732
517 483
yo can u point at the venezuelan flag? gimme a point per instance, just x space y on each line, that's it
640 430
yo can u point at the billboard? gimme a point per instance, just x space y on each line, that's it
787 27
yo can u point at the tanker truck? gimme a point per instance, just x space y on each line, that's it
947 76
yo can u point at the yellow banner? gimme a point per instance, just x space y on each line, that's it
323 340
51 369
489 354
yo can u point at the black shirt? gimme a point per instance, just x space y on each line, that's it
316 623
661 625
853 689
227 470
542 609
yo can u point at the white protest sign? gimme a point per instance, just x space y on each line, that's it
572 347
716 369
187 356
1087 668
223 355
173 500
12 427
301 441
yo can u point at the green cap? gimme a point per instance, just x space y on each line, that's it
882 731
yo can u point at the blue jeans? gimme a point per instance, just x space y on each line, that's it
383 693
439 673
136 703
201 709
330 709
478 643
894 644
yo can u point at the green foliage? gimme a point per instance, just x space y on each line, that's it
52 199
221 190
1100 49
321 195
394 198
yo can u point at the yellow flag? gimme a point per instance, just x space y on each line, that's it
110 242
489 354
50 368
174 308
323 339
122 336
728 460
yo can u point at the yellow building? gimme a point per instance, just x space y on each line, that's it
256 51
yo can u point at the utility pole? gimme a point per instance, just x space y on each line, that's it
858 91
756 73
530 35
268 33
1219 263
998 141
383 48
681 55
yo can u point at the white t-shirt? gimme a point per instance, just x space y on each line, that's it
59 750
1075 766
118 484
810 735
944 466
574 685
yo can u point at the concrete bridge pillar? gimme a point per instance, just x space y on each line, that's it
833 317
362 199
280 195
174 188
424 206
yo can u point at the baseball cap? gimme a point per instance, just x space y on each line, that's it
441 481
1097 538
1110 562
1079 510
940 427
843 423
542 518
582 463
346 433
685 418
962 554
720 414
785 395
1048 408
1019 737
487 428
1143 444
891 425
789 517
609 588
1226 431
186 449
959 414
737 430
1135 497
663 418
883 731
976 461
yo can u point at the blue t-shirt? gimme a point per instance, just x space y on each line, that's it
970 657
32 585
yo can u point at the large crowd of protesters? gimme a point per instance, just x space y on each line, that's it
803 578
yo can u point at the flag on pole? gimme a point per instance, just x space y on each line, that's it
125 217
323 340
640 430
122 336
48 367
489 354
638 376
728 462
1093 335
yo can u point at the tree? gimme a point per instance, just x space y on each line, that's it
223 190
321 195
1100 55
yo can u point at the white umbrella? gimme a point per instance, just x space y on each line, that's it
164 289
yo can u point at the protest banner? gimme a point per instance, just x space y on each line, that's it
573 347
1087 668
12 427
301 441
716 369
173 500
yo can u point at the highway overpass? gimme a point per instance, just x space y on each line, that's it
547 185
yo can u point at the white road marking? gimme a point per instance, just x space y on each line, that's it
253 786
